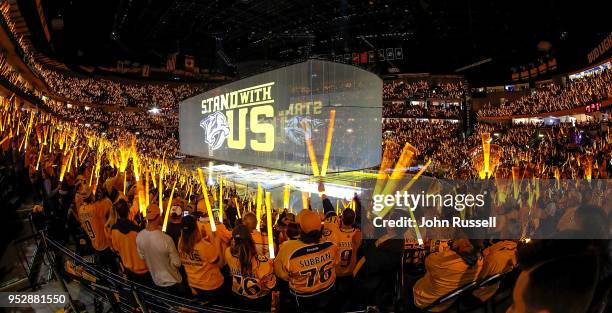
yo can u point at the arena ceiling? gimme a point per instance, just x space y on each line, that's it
437 36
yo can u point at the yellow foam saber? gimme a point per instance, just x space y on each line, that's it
398 173
124 182
311 152
153 179
385 165
63 168
237 207
160 189
286 195
220 199
515 184
40 150
328 142
269 225
304 200
486 152
211 220
5 139
386 209
146 191
168 207
258 204
69 162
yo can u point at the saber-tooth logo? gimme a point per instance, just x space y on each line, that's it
226 117
216 130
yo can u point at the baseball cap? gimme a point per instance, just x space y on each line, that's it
152 211
309 221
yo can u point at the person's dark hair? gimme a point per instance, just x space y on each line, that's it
122 208
311 237
114 194
293 230
330 214
348 217
243 248
562 285
190 235
281 217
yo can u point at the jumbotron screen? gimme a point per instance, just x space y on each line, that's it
282 118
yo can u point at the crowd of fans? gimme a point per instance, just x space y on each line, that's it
157 133
406 90
578 92
231 266
11 75
118 93
400 97
397 109
560 147
323 262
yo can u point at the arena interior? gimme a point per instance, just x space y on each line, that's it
305 156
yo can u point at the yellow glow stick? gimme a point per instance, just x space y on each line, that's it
124 183
160 190
408 152
237 207
168 207
269 225
189 189
304 200
386 209
40 150
486 152
5 139
258 200
311 152
286 196
220 199
141 198
69 162
385 165
153 179
93 168
63 168
136 166
146 191
328 142
213 227
515 177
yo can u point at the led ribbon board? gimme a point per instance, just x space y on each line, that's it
264 120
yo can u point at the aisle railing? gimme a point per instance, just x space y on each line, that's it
122 295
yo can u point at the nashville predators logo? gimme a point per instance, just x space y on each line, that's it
216 129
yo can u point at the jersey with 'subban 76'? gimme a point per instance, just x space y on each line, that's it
310 269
